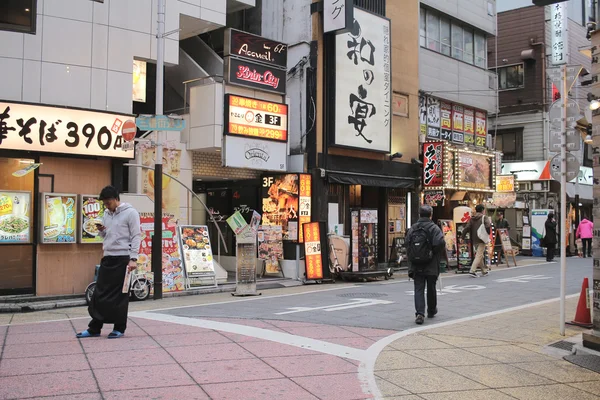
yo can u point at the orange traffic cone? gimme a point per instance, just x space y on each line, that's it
583 316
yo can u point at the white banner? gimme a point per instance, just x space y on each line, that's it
265 155
363 115
61 130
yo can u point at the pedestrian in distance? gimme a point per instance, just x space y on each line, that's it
585 232
120 229
501 223
477 242
550 237
425 246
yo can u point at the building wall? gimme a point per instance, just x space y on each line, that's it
534 140
519 30
82 52
209 165
473 12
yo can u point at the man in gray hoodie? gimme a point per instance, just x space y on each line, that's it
120 229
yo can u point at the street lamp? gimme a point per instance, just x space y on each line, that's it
594 103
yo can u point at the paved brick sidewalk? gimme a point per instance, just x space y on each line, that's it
161 360
494 358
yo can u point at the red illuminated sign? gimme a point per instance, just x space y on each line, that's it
256 118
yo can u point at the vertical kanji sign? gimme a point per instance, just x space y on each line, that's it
433 164
312 248
558 33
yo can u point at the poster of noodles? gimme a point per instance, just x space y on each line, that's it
172 269
15 212
474 171
92 212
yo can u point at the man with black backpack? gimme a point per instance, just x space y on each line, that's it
425 246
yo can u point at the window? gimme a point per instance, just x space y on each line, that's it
433 32
443 35
18 15
511 77
510 143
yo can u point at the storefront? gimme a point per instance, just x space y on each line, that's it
53 163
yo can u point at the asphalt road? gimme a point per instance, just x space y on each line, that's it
389 304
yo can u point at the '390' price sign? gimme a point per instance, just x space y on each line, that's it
61 130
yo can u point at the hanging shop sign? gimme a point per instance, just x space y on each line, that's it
446 121
423 117
528 170
171 194
255 118
250 47
15 221
480 129
505 183
337 15
469 126
264 155
255 76
197 251
59 218
433 164
172 269
92 213
61 130
434 198
458 127
363 86
286 202
433 118
448 229
474 171
312 248
559 33
237 223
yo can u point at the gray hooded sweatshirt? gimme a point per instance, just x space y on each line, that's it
122 236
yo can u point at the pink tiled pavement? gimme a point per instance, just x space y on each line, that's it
213 352
130 358
321 332
172 329
334 387
60 383
80 396
227 371
101 344
319 364
191 392
148 376
190 339
356 342
273 389
265 348
39 337
40 365
42 349
45 327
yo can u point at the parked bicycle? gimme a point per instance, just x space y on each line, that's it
139 289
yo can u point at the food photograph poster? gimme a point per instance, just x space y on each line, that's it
92 213
59 218
197 252
172 270
15 226
171 166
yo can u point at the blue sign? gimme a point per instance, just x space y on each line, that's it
159 123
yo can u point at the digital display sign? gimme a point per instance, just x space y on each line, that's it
256 118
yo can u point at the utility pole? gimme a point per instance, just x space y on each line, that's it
563 199
158 170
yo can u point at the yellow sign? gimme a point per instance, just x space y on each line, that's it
505 183
6 205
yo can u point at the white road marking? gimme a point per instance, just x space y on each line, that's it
354 303
266 334
523 278
452 289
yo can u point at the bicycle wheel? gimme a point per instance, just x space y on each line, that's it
140 289
89 292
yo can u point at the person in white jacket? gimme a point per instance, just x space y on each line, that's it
120 229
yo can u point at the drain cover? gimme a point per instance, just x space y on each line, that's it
563 345
362 295
590 362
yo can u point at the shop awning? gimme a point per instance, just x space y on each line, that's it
458 196
356 178
585 192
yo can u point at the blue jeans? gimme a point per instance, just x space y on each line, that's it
420 282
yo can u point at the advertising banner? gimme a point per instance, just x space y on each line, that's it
480 129
446 121
255 76
62 130
171 190
172 270
312 248
434 198
469 126
449 172
264 155
270 247
458 135
197 251
449 231
433 164
423 116
363 84
255 118
474 171
15 222
505 183
59 218
237 223
92 212
251 47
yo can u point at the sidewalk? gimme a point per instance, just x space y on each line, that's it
496 358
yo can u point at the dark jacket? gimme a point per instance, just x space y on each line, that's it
473 225
502 224
437 242
550 237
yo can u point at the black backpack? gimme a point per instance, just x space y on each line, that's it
419 248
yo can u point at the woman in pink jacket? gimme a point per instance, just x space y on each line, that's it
585 231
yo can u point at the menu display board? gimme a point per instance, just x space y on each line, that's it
270 247
312 248
449 232
59 218
15 224
172 270
197 251
505 240
92 212
286 202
